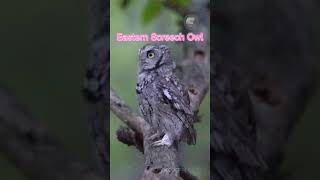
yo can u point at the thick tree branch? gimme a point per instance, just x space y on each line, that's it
186 175
123 111
130 137
258 96
95 92
194 69
32 149
139 127
96 83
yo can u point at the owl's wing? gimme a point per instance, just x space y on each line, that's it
175 94
178 96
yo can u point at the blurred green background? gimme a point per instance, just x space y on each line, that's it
135 18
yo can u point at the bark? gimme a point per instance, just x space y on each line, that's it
264 60
96 83
30 146
32 149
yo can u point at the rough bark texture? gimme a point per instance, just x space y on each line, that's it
160 162
96 83
32 149
263 69
30 146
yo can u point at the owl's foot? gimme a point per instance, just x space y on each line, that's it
166 140
155 136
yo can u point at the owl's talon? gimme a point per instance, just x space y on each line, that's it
155 136
166 140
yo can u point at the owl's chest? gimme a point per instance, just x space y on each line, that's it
145 81
148 89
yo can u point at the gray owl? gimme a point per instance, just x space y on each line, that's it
163 100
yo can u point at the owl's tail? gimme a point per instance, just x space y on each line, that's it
191 135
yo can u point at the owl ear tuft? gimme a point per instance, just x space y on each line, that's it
164 47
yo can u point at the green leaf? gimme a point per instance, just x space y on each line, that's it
125 3
183 2
151 10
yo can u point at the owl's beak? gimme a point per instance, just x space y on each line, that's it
139 52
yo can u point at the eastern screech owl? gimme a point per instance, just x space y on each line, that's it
163 100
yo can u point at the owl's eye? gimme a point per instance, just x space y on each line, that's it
150 54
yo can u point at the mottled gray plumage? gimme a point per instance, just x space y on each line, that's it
163 100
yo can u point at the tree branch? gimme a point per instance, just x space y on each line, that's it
95 93
141 129
194 69
131 138
186 175
258 94
96 83
123 111
32 149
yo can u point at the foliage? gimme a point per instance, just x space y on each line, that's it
151 10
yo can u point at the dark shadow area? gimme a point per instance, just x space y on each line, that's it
264 82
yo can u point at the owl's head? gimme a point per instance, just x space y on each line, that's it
154 56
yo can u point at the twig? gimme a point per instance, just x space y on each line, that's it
32 149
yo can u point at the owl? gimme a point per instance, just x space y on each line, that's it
163 100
